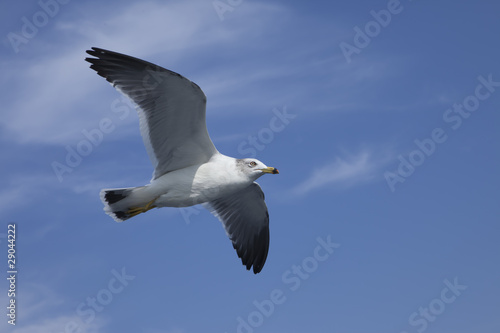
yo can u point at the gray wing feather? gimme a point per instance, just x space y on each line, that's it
246 221
171 109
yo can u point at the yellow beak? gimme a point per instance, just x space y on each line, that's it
270 170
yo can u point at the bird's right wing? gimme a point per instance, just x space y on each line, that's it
246 221
171 109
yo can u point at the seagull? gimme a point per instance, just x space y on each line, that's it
188 169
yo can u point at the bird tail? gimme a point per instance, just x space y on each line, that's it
121 203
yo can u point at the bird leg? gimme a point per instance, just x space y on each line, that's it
137 210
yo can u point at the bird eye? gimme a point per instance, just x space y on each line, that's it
252 164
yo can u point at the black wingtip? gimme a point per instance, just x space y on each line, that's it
256 270
256 258
94 52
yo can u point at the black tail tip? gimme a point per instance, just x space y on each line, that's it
113 196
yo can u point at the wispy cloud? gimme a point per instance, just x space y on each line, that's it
20 190
61 323
345 172
62 96
39 302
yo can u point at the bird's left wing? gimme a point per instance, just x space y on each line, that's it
171 109
246 221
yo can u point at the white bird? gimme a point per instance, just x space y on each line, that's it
188 169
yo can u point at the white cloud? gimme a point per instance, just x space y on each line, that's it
19 190
61 324
345 172
37 298
36 301
56 96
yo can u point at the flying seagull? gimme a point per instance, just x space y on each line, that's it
188 169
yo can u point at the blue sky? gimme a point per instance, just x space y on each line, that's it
384 217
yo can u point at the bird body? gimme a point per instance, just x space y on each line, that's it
186 187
